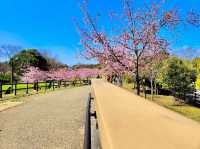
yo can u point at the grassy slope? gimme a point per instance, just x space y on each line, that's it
184 109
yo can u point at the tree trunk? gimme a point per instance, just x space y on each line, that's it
120 81
155 88
12 75
144 91
137 77
151 88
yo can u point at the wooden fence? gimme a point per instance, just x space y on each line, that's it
36 86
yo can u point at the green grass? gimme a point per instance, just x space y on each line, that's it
128 86
189 111
20 86
22 92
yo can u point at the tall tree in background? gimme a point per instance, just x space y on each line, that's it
28 57
197 83
196 64
152 69
5 73
6 52
177 75
137 39
52 61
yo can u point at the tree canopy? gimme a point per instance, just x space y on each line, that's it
136 36
196 63
28 57
198 82
177 75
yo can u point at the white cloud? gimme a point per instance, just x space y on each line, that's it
187 51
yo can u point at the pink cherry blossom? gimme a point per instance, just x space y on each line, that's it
33 74
135 42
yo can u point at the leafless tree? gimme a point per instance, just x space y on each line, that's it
7 51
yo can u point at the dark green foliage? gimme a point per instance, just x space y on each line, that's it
28 57
53 63
5 74
5 77
177 75
196 64
86 66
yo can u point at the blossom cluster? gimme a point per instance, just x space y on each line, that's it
33 74
136 37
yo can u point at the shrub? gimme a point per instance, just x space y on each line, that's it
5 77
198 82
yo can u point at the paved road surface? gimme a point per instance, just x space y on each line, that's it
127 121
50 121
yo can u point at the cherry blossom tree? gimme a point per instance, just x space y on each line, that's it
70 75
58 74
137 40
151 71
86 73
33 74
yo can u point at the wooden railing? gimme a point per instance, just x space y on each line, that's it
36 86
127 121
87 136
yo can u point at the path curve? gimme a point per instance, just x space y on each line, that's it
50 121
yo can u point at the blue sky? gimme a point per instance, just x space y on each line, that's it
48 25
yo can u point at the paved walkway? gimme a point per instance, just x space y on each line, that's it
49 121
127 121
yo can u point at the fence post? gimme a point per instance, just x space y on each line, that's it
87 135
37 86
1 90
12 83
45 86
53 85
59 83
65 83
26 87
15 84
